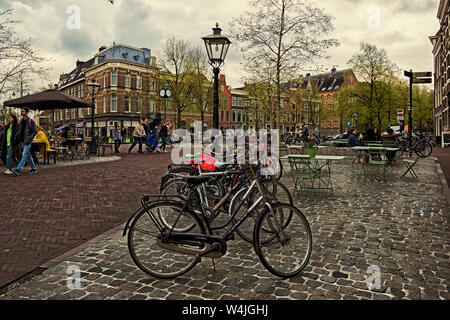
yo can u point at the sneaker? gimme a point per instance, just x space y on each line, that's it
8 172
16 172
32 171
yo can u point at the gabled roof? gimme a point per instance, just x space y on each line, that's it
324 82
76 74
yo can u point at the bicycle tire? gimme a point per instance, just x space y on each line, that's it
423 148
149 255
272 247
245 230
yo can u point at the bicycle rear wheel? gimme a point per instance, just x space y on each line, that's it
283 249
423 148
163 260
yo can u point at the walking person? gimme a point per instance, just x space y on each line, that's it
27 129
138 136
146 127
163 133
305 131
11 144
123 133
117 136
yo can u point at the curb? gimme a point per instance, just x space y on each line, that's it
57 260
445 187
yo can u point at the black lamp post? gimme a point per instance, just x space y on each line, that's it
356 116
93 88
216 47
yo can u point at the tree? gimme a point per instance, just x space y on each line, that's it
19 62
375 71
282 35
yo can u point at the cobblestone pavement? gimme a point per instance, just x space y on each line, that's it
62 206
399 226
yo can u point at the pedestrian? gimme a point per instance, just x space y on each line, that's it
138 136
11 144
305 131
146 127
27 129
163 133
123 133
117 136
104 132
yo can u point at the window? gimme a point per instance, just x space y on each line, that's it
95 106
82 91
104 80
225 101
152 106
113 103
239 117
127 104
139 104
152 84
139 81
104 104
114 78
233 116
72 113
305 106
80 113
227 116
127 80
221 115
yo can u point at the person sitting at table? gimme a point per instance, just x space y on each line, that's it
390 136
42 137
352 139
376 134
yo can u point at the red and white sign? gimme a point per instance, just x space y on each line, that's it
400 114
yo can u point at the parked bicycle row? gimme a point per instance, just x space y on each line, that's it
202 205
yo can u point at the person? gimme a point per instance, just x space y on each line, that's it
27 129
65 133
390 136
402 126
376 134
352 139
146 127
138 136
42 137
104 133
117 136
123 134
163 133
11 144
370 135
305 132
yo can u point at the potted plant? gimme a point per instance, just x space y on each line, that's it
308 143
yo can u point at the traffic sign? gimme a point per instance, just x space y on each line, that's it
408 74
422 74
400 114
422 80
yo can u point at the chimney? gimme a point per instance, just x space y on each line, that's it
333 70
55 86
79 62
308 75
101 48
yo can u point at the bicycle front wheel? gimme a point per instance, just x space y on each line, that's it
423 148
283 249
163 260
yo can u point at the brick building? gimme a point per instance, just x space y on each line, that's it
224 104
440 42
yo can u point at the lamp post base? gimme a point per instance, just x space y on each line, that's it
92 146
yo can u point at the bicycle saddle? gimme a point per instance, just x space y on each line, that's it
195 180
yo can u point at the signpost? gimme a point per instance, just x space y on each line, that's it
414 77
400 114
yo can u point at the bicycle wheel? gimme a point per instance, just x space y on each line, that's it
423 148
275 190
163 260
283 250
176 172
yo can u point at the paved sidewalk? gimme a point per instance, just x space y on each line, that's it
48 213
400 226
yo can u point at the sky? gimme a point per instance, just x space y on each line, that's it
401 27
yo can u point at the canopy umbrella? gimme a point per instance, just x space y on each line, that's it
48 100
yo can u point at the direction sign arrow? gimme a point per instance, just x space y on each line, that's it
423 80
422 74
408 74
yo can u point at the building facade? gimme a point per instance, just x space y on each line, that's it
441 57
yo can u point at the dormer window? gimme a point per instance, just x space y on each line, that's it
136 57
125 55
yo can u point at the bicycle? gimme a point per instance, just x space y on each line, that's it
170 251
421 146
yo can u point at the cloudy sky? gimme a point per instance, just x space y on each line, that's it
402 27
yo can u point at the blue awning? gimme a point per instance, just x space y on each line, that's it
62 127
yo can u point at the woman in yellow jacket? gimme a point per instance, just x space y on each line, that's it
42 137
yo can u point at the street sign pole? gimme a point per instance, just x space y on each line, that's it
410 110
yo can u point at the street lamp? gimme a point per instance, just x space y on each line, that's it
356 116
165 93
3 112
216 47
93 88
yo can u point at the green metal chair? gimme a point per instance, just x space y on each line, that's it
410 163
377 162
302 176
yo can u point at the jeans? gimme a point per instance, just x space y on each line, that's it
10 158
117 144
26 156
164 143
136 141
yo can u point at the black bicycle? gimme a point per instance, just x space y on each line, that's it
281 236
420 145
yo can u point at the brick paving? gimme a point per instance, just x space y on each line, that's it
49 213
400 226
